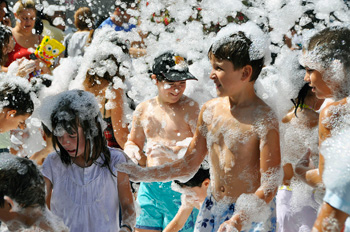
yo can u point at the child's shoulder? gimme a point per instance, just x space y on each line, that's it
143 105
332 113
117 155
186 101
52 157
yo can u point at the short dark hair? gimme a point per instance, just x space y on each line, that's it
21 180
196 181
16 98
332 43
236 50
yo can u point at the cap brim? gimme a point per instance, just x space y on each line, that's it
179 76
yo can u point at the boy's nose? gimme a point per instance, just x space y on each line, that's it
212 75
307 77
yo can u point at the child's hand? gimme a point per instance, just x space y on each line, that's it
230 225
25 67
132 150
190 201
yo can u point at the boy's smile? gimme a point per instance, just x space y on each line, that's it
171 92
226 79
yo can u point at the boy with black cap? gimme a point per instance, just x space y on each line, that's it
166 122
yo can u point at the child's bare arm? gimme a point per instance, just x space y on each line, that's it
193 112
126 201
136 139
330 219
182 168
120 128
48 185
307 174
179 220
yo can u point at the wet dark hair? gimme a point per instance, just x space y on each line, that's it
93 78
5 35
196 181
71 124
17 99
21 181
333 43
299 101
237 52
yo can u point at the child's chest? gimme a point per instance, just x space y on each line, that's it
169 124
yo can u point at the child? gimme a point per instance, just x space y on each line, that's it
327 62
193 195
22 196
84 187
240 134
163 121
107 86
299 129
16 103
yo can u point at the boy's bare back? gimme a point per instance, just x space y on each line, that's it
234 138
163 125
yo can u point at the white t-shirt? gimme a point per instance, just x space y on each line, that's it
77 43
85 198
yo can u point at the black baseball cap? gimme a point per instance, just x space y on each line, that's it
171 67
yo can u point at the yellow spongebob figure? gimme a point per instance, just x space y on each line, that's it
48 50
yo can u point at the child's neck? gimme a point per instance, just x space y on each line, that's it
163 103
245 97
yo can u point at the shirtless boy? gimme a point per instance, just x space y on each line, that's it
240 134
163 121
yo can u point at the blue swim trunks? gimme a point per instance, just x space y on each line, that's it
212 214
159 205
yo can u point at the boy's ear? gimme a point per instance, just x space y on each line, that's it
10 114
206 182
154 77
247 72
8 202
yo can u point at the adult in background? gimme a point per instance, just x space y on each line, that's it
23 32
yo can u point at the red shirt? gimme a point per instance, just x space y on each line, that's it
17 53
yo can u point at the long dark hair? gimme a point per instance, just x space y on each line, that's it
95 144
299 101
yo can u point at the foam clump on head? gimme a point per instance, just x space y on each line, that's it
8 162
69 105
107 53
13 83
328 51
260 41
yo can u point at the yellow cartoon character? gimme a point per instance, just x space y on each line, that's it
48 50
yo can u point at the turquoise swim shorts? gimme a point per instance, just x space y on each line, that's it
159 205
